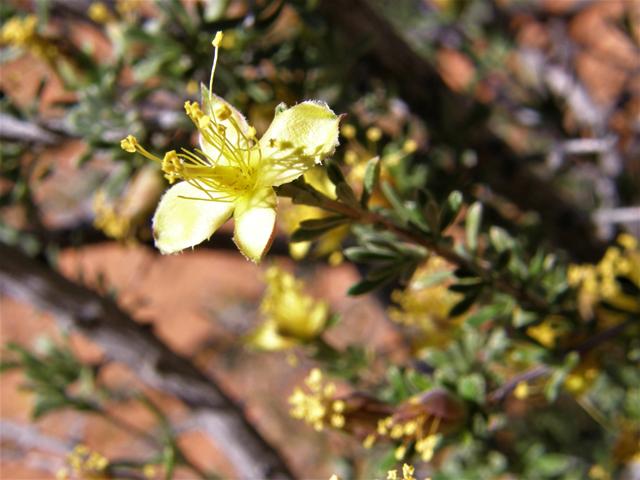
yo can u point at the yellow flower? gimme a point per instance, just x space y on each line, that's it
85 463
291 316
597 283
426 308
21 33
318 406
234 173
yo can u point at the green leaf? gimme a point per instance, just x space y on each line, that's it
44 405
474 219
322 223
473 387
500 239
334 172
464 272
345 193
365 255
466 287
305 198
371 177
450 209
502 261
432 279
407 272
307 235
366 286
465 304
522 318
383 271
394 199
484 314
551 465
430 214
537 262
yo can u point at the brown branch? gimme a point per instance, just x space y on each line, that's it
448 116
128 342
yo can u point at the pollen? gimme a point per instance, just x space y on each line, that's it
217 39
129 144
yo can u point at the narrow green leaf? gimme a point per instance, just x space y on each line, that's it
383 271
535 266
320 223
522 318
473 387
500 239
474 219
305 198
464 272
394 199
365 255
430 214
484 314
465 304
432 279
450 209
366 286
345 193
371 177
467 287
334 172
407 272
502 261
306 235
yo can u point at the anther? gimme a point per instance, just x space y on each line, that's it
129 144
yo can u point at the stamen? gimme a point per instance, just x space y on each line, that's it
216 44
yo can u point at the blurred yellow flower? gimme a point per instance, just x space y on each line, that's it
291 317
21 33
427 307
596 283
317 407
85 463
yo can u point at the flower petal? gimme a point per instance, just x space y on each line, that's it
267 337
235 125
297 139
255 218
181 222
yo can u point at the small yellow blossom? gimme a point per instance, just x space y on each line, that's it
85 463
291 316
100 13
149 471
407 474
521 391
427 308
317 407
21 33
547 332
598 283
234 173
